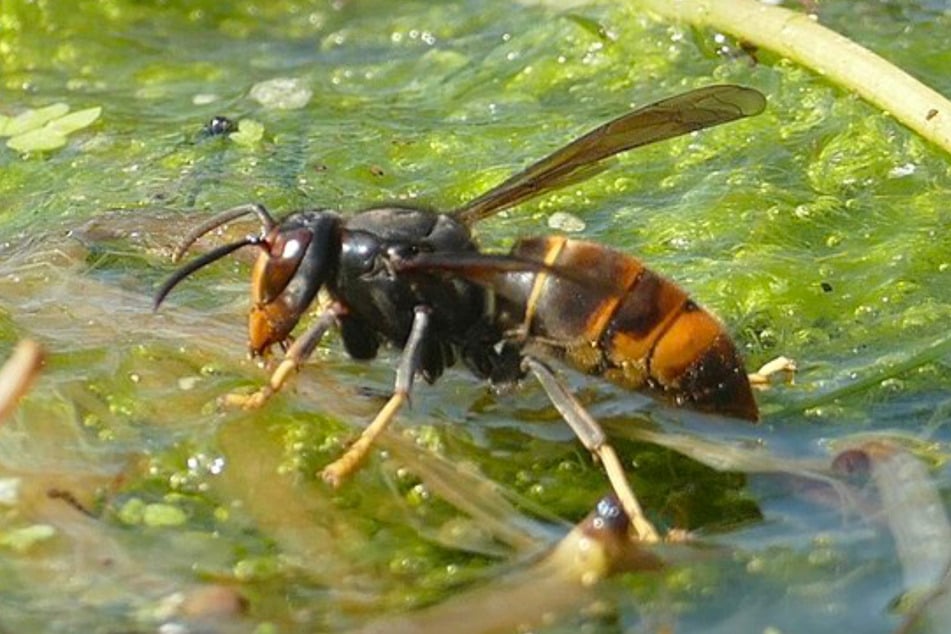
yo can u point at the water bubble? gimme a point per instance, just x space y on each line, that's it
282 93
567 222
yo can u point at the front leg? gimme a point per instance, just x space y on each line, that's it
302 348
341 468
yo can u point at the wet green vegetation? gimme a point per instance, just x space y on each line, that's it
817 230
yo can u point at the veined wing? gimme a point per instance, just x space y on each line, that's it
675 116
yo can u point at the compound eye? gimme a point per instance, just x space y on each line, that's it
281 263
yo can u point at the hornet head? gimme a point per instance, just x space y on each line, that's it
298 255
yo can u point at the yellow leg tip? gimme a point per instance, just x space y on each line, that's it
762 377
331 477
339 471
247 401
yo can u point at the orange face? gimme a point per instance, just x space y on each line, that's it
281 289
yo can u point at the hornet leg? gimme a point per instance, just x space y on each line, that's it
293 358
591 435
342 467
762 377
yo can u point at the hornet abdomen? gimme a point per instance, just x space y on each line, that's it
609 315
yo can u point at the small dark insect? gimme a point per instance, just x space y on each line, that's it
415 279
70 499
931 114
220 125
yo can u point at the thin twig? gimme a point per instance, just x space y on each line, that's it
18 374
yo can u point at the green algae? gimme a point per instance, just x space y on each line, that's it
816 230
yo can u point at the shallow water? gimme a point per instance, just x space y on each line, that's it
816 230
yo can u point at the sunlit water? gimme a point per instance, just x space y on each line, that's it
816 230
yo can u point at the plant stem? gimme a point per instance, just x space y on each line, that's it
802 39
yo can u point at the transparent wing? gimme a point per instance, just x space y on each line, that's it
694 110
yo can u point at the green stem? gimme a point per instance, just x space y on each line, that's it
800 38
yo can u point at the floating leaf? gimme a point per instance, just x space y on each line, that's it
22 539
75 120
45 138
163 515
52 135
249 132
32 119
132 511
